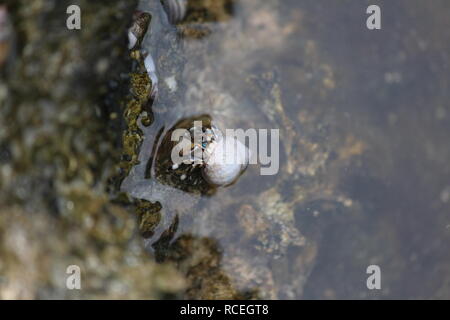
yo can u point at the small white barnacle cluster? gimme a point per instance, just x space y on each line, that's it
222 158
175 9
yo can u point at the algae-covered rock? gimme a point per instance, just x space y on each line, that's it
62 98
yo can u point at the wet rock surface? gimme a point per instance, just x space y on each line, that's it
86 175
247 94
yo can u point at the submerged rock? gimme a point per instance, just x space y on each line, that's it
257 222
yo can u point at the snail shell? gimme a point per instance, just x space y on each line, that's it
137 31
227 159
175 9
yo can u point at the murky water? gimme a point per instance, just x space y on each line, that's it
364 124
393 89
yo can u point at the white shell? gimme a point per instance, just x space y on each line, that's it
227 159
151 71
175 9
132 40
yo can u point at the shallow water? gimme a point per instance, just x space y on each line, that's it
371 119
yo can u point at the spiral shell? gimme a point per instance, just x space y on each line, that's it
227 159
136 33
175 9
205 159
